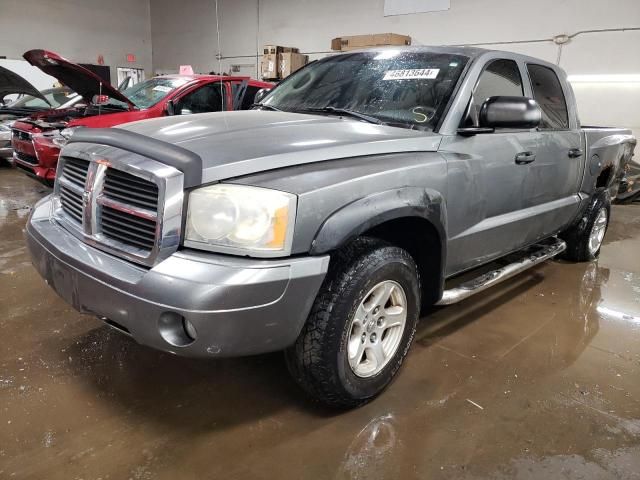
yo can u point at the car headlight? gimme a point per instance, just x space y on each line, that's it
240 219
62 137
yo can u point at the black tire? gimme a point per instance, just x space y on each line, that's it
577 236
318 360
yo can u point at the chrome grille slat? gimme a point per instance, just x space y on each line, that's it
74 178
145 201
133 222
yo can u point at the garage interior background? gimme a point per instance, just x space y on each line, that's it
163 34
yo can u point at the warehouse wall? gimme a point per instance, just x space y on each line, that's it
184 32
79 30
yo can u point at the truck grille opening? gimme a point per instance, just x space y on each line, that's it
126 188
128 228
75 170
25 157
71 203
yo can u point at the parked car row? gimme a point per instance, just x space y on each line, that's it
39 124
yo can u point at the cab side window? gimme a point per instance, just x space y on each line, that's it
547 91
209 98
499 78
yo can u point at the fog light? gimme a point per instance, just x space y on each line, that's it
190 329
176 330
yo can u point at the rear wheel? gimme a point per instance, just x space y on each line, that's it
361 325
584 239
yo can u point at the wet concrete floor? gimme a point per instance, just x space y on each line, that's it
537 378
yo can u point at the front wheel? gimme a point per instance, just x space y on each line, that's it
361 325
584 239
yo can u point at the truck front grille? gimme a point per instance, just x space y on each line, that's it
120 211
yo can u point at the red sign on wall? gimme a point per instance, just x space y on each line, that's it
131 57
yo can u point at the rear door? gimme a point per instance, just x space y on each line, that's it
553 180
485 180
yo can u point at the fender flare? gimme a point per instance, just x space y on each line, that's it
355 218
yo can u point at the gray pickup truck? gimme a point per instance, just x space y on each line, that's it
323 221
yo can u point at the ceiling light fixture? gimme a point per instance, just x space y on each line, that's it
606 78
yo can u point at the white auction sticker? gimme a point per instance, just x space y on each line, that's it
418 73
162 88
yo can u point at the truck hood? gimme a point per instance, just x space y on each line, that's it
244 142
11 83
74 76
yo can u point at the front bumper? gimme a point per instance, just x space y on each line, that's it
238 306
40 173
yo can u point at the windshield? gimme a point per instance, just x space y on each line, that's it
404 88
56 97
146 94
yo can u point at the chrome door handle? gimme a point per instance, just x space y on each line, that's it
525 157
574 153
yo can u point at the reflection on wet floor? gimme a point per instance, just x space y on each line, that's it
536 378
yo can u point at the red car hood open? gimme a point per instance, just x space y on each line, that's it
11 83
77 78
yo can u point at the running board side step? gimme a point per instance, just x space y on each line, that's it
534 255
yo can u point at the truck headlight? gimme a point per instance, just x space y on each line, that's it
240 219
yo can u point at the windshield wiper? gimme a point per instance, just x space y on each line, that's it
344 111
267 107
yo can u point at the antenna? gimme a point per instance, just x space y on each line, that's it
219 56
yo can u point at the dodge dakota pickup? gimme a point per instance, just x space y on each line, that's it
37 139
365 187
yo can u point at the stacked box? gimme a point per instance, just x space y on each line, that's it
289 62
373 40
279 62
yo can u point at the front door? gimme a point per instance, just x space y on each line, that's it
486 179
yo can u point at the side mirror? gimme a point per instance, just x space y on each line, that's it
505 112
100 99
260 94
510 112
170 108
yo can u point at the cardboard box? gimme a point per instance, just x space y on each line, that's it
275 49
289 62
278 61
374 40
269 66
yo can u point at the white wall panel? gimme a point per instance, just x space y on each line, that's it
79 30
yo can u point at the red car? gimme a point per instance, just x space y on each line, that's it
37 140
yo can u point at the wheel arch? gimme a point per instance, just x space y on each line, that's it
411 218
